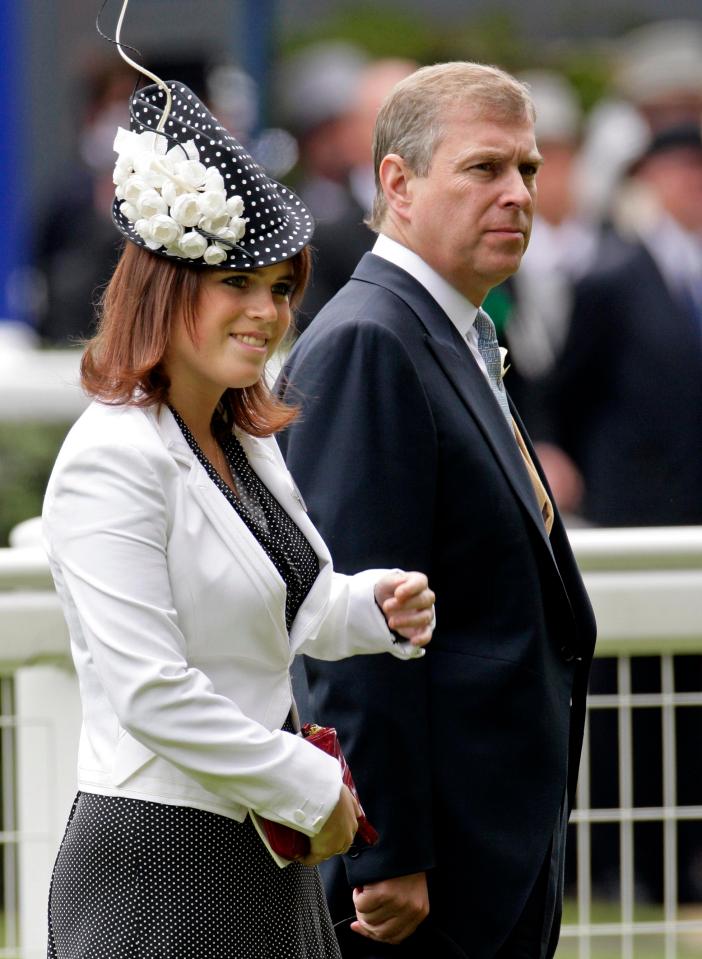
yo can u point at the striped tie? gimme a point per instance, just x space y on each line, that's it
490 352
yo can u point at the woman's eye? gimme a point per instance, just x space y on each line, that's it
238 282
283 289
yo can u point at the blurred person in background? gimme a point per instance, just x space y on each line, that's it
76 248
659 71
627 389
342 238
314 91
563 245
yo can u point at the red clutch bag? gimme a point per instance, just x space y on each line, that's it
288 842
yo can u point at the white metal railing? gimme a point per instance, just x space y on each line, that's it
39 384
646 587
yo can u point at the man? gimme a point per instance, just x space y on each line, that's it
407 455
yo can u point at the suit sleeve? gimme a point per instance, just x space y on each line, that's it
363 452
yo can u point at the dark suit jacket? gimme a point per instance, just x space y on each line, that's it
405 459
627 394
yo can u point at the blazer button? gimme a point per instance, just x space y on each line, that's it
299 816
567 654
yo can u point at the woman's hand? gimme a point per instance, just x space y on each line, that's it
336 835
408 605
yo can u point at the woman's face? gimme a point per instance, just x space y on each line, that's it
240 320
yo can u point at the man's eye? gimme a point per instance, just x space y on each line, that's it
530 170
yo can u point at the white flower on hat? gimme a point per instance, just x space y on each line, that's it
186 209
215 224
214 180
191 172
214 254
234 232
166 189
235 206
133 187
237 225
150 203
123 169
192 245
212 203
171 190
164 229
129 210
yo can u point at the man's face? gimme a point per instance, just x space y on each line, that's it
675 177
470 217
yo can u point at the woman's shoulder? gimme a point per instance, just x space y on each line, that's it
113 429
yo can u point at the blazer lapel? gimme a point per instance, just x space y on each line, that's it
455 359
274 474
225 521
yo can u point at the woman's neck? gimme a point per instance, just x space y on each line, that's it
196 412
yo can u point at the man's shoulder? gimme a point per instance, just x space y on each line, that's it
363 305
619 259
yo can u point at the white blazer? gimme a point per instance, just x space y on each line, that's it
177 624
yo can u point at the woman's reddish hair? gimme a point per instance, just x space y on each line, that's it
123 362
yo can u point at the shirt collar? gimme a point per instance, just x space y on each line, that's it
676 252
459 310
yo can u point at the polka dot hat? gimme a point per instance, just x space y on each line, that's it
195 194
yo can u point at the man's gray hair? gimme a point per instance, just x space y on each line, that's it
411 120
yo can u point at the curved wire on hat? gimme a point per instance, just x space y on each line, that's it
117 40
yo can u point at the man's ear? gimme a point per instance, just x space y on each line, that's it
396 181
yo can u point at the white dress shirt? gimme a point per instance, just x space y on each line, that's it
459 310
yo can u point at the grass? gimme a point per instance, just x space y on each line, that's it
688 945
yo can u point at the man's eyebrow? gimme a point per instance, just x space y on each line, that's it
488 154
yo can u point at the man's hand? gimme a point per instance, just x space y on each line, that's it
392 909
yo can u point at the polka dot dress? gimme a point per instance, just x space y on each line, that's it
144 880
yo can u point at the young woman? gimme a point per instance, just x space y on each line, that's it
190 575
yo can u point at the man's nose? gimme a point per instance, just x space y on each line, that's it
517 192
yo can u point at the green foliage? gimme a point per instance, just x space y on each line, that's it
27 454
381 30
491 36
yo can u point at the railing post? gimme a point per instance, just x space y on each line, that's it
48 728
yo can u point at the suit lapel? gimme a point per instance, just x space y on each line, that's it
455 359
